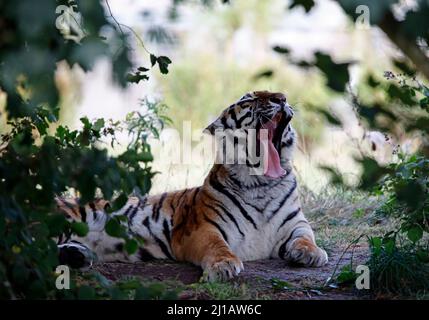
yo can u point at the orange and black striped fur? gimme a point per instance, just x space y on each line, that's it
232 217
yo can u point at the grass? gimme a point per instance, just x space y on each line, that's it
220 290
398 272
339 216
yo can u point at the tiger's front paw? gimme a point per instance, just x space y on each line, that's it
223 270
306 253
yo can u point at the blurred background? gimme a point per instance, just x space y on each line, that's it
219 52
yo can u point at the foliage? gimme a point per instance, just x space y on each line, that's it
92 285
397 106
397 268
37 164
399 259
410 32
30 46
407 190
220 290
34 171
306 4
279 284
347 275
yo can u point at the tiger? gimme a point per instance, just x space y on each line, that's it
233 217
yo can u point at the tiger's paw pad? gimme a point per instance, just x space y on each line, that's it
306 253
223 270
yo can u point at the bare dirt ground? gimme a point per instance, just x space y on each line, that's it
263 279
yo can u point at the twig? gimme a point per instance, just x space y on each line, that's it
111 15
137 36
120 25
354 242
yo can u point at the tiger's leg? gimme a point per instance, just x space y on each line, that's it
207 248
300 247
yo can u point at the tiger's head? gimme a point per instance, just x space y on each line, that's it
267 115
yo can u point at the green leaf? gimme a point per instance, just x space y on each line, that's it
131 246
411 192
119 202
163 63
415 233
372 172
80 228
303 64
117 294
263 74
56 224
142 293
423 255
86 293
20 273
404 94
372 82
424 103
346 276
375 243
113 228
405 67
306 4
145 157
281 50
153 59
86 53
136 77
331 118
389 245
86 123
337 74
98 125
416 22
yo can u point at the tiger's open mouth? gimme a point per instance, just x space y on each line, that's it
271 144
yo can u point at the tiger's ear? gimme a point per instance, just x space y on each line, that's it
211 128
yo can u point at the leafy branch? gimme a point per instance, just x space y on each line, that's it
141 73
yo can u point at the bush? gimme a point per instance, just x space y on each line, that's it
398 269
407 190
36 166
399 259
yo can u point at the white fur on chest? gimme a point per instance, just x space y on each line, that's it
258 244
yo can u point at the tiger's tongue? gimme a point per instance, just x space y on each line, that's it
272 166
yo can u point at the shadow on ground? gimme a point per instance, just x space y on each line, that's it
262 279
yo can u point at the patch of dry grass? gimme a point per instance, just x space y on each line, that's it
340 216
